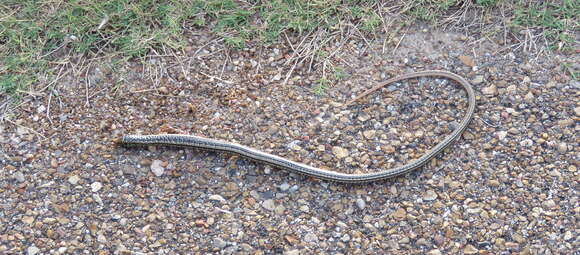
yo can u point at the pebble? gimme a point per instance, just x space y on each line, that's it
219 243
568 235
501 135
269 204
32 250
577 111
550 204
493 183
565 123
360 203
562 147
469 249
369 134
157 167
96 186
529 97
19 176
512 245
364 117
310 238
490 90
101 238
339 152
280 209
434 252
526 142
430 195
400 214
74 179
28 219
284 187
292 252
477 80
217 198
467 60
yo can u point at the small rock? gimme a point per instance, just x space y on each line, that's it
310 238
469 249
219 243
40 109
369 134
210 221
292 252
490 90
568 235
434 252
430 195
19 176
364 117
339 152
501 135
280 209
96 186
512 245
467 60
577 111
73 179
439 240
477 80
163 90
28 219
468 136
157 167
217 198
284 187
493 183
526 143
565 123
529 98
399 214
269 204
360 203
21 131
101 238
32 250
562 147
549 204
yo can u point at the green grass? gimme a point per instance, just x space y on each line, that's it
36 36
320 86
567 68
557 19
36 33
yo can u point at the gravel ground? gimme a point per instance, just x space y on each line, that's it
509 186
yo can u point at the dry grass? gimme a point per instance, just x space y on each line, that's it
43 41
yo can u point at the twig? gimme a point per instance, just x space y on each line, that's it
33 131
259 60
225 63
217 78
87 85
48 107
399 42
290 72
